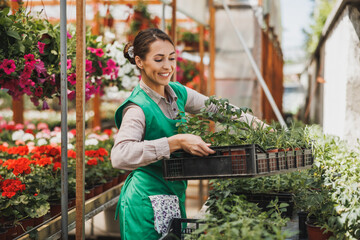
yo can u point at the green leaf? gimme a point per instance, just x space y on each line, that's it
13 34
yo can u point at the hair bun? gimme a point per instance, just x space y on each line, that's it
129 53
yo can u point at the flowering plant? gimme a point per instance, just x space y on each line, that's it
140 19
187 73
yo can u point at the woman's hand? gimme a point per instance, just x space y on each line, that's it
190 143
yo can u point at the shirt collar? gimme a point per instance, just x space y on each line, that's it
157 97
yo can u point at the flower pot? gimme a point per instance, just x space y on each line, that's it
302 226
238 161
98 189
273 163
3 233
38 221
55 209
90 194
316 233
11 232
107 185
24 224
115 181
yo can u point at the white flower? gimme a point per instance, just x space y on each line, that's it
41 141
93 135
28 137
70 135
127 68
70 146
55 140
17 135
91 141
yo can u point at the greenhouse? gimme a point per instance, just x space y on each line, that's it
180 119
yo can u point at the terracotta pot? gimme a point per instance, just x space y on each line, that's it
90 194
107 185
24 224
55 208
316 233
115 181
38 221
272 155
238 161
3 233
98 189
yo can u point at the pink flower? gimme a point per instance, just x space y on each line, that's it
107 70
30 126
93 50
42 125
68 35
88 67
111 63
38 91
28 69
19 126
8 66
30 59
68 62
72 78
99 52
71 95
41 47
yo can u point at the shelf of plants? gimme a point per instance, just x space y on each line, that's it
235 161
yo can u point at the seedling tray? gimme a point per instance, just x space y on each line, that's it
234 161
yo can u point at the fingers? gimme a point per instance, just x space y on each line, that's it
196 146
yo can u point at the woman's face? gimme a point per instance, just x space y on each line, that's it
158 65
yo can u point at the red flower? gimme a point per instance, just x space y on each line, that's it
11 186
19 166
1 162
8 66
56 166
92 162
54 152
108 132
41 47
73 131
29 131
102 152
38 91
35 194
71 154
43 162
20 150
30 59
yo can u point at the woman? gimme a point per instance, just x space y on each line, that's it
148 133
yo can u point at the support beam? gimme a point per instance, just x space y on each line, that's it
203 86
80 121
173 30
212 47
96 101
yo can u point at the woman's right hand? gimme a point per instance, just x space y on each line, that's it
190 143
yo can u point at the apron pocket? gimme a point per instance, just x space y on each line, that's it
166 207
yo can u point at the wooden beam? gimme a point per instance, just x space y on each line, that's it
173 30
96 100
203 87
212 47
80 121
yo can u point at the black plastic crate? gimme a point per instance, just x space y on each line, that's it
229 161
179 228
235 161
284 161
264 199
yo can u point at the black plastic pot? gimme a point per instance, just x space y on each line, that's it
302 226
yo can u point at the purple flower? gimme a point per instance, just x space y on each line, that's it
68 35
45 105
8 66
40 68
38 91
41 47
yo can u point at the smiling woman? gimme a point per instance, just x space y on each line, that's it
148 132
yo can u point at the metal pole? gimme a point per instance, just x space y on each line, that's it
64 125
256 69
163 23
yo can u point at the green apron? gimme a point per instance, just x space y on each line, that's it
134 207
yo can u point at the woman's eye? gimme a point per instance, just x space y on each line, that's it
158 60
171 59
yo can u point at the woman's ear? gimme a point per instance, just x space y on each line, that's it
138 62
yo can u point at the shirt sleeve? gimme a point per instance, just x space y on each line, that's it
130 150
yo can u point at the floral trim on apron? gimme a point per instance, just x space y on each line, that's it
166 207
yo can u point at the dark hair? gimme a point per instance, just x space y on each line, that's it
142 43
